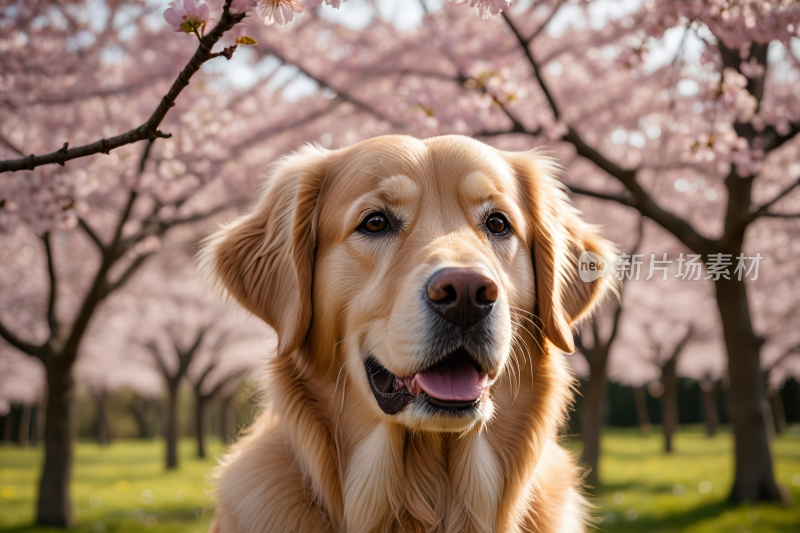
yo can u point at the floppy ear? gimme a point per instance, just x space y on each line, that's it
264 259
559 238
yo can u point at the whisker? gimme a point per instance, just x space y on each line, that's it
531 334
336 387
527 350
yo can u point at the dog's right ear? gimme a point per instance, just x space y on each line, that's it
264 259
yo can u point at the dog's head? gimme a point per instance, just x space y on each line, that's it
413 263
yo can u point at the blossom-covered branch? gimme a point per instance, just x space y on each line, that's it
149 130
639 197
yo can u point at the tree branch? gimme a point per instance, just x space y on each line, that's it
624 198
185 357
5 142
524 44
153 349
544 24
780 215
198 385
344 95
126 275
98 290
92 235
764 209
235 376
52 320
114 247
149 130
19 344
640 199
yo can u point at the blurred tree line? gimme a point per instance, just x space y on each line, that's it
627 406
126 414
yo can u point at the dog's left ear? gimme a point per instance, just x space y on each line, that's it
265 258
559 239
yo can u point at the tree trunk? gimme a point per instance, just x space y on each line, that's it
669 404
24 426
224 420
33 438
199 424
8 426
710 408
754 479
171 426
55 503
778 412
591 422
641 410
101 419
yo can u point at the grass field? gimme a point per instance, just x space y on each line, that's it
123 488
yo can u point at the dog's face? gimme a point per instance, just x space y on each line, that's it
414 265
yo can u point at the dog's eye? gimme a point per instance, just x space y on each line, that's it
374 223
497 224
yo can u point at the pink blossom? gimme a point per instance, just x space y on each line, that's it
556 131
751 69
187 17
279 11
486 9
241 6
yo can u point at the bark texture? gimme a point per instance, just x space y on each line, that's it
640 399
591 424
669 402
171 428
754 479
709 390
101 429
54 507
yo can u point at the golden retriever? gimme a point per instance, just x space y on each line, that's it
423 293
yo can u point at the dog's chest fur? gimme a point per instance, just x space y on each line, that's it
422 482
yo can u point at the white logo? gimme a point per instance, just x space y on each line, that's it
592 266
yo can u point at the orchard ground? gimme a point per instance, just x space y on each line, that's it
124 488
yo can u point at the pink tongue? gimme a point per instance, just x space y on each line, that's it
455 381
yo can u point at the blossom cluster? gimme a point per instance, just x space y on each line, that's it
738 24
46 199
486 9
191 16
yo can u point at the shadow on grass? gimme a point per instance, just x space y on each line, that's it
675 521
167 521
633 486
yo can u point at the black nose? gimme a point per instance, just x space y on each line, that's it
462 295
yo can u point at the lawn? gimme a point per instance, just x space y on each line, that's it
644 490
123 488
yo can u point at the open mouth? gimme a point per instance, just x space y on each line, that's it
456 382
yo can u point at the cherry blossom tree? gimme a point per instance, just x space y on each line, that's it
83 71
189 335
595 346
221 376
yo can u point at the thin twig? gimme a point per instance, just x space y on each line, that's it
149 130
52 320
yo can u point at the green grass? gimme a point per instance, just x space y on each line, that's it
644 490
119 475
633 469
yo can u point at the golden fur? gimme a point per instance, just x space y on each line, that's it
322 456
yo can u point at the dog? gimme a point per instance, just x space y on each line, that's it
423 292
